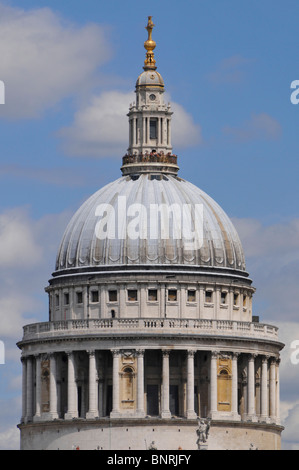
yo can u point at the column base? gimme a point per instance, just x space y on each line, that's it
49 416
115 414
252 418
224 416
37 418
166 415
70 416
191 414
92 415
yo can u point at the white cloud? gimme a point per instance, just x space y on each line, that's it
27 258
272 255
45 59
259 127
185 132
10 439
18 247
101 128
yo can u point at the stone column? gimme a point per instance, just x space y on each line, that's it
277 393
115 385
148 131
53 388
72 396
37 414
190 385
213 384
133 123
272 387
24 388
251 413
140 382
264 391
29 390
165 384
93 387
235 413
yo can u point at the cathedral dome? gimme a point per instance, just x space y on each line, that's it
140 220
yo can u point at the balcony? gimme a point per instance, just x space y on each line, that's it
150 326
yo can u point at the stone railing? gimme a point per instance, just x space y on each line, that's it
149 326
153 157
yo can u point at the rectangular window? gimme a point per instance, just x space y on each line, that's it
191 296
66 298
57 300
112 294
79 297
153 128
208 296
223 297
94 296
236 299
152 295
244 300
132 295
172 295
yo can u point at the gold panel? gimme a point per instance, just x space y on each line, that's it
128 368
224 384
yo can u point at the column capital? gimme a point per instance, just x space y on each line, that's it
191 352
252 356
214 354
235 355
140 352
165 352
115 352
265 358
272 360
91 352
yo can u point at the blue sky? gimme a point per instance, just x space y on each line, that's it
69 65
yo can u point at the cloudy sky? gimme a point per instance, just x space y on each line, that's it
69 71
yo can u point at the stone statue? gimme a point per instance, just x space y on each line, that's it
203 430
152 446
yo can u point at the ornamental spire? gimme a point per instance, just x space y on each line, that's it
149 45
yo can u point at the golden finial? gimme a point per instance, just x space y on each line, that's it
149 45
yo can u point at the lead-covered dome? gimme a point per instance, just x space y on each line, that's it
150 79
136 220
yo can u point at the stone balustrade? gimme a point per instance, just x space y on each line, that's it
151 325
